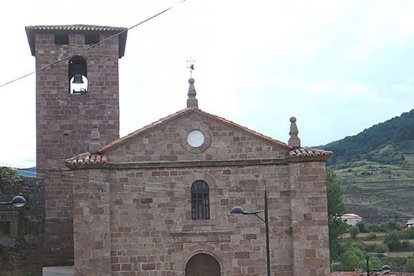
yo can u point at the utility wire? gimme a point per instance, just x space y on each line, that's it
157 184
92 46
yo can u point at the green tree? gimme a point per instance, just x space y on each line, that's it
375 262
361 227
409 264
336 208
6 173
352 257
381 248
392 225
392 240
354 231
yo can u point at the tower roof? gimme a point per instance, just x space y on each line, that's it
77 28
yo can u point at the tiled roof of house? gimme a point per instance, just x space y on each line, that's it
77 28
304 152
350 216
89 159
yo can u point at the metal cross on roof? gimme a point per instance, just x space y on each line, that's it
190 65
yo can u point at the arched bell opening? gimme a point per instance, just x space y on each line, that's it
78 80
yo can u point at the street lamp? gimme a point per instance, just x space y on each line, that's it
17 201
239 211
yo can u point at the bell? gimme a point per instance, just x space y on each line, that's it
77 78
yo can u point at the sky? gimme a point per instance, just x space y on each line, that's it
338 66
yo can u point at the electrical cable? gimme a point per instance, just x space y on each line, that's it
93 45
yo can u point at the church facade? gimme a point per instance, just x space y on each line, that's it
158 201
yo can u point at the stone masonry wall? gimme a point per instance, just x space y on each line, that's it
169 143
309 219
152 232
92 236
64 123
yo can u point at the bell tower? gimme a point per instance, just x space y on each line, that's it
77 89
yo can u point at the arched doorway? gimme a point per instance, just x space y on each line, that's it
202 265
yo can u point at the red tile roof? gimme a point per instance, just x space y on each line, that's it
302 152
89 159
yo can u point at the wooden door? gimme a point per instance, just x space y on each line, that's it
202 265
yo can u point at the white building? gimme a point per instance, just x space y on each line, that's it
351 219
410 223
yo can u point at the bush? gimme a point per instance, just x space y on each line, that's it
381 248
407 233
352 257
405 246
394 243
409 265
375 263
354 231
392 240
361 227
375 228
371 237
392 225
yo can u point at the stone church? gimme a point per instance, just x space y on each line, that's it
158 201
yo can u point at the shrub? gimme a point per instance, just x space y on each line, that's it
392 240
409 265
375 228
361 227
352 257
392 225
381 248
407 233
354 231
371 237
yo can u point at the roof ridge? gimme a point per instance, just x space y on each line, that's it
74 27
165 119
129 136
253 132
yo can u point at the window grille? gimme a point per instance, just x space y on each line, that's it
200 201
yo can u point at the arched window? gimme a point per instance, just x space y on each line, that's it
78 81
200 201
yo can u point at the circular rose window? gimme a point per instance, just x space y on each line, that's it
195 138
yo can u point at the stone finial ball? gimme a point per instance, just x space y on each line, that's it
293 119
95 124
191 80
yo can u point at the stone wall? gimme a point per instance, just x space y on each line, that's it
151 230
21 233
64 124
132 213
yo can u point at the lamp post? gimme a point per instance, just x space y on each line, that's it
17 201
239 211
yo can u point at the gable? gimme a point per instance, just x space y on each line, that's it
191 135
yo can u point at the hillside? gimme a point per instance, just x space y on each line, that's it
376 168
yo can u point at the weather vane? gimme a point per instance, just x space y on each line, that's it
190 65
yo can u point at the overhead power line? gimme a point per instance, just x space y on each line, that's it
92 46
161 186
